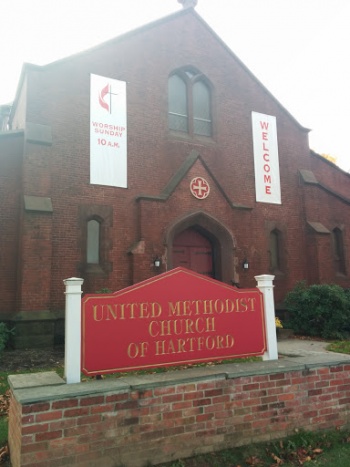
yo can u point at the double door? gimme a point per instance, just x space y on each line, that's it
193 251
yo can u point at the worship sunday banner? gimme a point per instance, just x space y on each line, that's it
108 132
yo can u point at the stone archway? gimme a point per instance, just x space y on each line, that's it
218 238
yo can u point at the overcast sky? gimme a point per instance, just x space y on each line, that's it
299 49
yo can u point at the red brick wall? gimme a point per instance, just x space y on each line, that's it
61 171
163 422
11 150
154 154
36 261
332 212
335 179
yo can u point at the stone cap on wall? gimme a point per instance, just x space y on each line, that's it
39 387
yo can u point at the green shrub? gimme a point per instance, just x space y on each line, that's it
319 310
4 335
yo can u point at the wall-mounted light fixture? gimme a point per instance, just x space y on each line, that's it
157 262
245 264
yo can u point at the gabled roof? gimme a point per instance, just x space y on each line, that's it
146 27
180 174
309 178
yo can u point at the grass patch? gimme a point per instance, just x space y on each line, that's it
3 382
331 449
3 430
340 347
3 408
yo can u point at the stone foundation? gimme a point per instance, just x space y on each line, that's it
39 329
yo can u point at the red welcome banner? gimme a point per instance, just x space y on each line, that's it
176 318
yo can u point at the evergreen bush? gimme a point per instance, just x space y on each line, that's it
321 310
4 336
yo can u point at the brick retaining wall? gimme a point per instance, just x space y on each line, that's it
156 418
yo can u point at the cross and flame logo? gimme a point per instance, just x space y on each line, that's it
106 91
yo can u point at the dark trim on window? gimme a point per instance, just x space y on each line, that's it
93 240
104 216
194 126
339 257
276 245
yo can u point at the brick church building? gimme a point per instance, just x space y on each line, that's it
154 150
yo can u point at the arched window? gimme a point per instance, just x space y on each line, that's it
189 103
201 109
177 94
338 251
96 240
93 242
275 250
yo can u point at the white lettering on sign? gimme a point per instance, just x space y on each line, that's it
266 161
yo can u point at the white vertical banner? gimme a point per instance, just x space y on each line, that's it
266 163
108 132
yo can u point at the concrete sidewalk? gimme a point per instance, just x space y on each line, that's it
305 348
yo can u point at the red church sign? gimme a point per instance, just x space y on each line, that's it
176 318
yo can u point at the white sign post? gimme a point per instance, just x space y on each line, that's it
72 351
265 285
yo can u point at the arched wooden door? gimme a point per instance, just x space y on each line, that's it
194 251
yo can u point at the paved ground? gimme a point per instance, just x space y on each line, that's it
303 348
